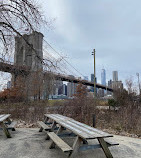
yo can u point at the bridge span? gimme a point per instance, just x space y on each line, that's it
24 70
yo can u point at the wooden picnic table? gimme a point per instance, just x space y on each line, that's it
82 132
6 123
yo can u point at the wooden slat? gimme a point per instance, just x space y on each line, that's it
1 116
4 117
82 129
43 125
75 130
85 131
59 142
110 143
104 134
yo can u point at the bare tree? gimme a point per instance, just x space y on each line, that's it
17 17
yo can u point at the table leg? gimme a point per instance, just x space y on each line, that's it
5 130
75 147
9 121
105 148
52 128
85 141
45 120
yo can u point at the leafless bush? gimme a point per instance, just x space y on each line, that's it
29 112
79 109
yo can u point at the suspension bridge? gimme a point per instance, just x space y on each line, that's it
44 60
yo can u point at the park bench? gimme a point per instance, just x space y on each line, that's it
81 131
6 124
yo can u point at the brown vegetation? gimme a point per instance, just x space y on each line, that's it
123 116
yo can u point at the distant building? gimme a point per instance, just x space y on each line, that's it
100 92
115 76
57 87
117 85
103 77
71 88
110 86
64 89
110 83
9 84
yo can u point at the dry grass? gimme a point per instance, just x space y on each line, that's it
126 119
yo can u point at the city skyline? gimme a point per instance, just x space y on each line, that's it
114 34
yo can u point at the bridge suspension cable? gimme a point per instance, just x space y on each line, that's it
61 66
63 58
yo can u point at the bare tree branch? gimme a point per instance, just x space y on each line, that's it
16 17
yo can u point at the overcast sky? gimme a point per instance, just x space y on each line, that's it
112 27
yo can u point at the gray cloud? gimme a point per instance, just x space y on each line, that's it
113 28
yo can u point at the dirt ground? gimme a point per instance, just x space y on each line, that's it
29 143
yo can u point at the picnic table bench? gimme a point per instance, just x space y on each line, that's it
6 124
82 132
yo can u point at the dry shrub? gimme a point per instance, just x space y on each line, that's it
29 112
81 109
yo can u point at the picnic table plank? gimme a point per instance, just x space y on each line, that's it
3 125
75 130
59 142
43 125
6 124
83 132
86 131
1 116
4 117
89 128
72 127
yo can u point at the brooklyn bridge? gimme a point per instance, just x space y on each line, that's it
28 59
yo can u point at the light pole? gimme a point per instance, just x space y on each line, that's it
93 53
138 75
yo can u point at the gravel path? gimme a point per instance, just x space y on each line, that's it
29 143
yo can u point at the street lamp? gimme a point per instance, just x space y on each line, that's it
138 75
93 53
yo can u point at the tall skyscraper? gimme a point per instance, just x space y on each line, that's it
9 84
115 76
103 77
116 84
110 83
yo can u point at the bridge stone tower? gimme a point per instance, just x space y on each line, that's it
28 53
